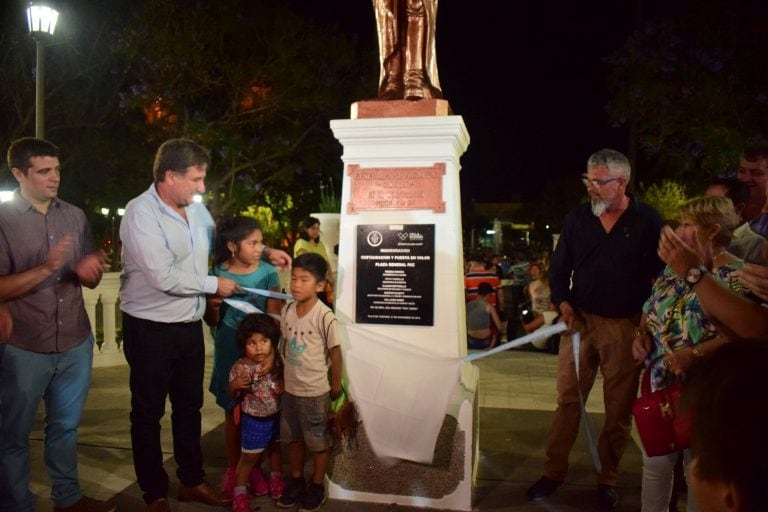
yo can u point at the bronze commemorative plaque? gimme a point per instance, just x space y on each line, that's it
396 188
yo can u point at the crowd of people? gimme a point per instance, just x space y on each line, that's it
683 304
517 302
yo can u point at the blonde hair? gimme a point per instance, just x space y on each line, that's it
708 211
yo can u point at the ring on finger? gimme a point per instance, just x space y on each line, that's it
667 363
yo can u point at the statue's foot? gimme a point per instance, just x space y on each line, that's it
417 86
391 89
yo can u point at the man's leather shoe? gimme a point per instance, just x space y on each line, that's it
607 497
542 488
203 493
159 505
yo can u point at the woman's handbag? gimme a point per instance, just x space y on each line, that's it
663 428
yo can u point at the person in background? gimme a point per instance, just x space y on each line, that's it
309 242
237 255
745 243
166 239
726 395
46 256
600 276
675 330
480 316
753 172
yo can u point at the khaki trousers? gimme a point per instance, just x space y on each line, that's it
606 343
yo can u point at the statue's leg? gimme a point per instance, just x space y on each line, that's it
416 79
390 47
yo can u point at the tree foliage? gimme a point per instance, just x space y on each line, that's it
692 87
666 196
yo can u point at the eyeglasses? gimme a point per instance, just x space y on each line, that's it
596 182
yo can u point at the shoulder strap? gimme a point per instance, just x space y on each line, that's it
287 308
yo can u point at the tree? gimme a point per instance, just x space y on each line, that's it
666 197
692 88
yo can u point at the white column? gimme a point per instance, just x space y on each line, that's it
409 143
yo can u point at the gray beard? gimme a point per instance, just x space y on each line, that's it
599 207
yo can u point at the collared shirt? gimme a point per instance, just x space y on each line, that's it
165 260
748 245
607 274
51 317
760 224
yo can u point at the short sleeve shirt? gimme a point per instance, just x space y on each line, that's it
263 396
305 346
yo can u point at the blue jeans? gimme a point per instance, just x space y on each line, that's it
61 380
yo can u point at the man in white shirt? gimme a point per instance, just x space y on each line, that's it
166 239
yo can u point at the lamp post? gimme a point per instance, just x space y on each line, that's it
42 22
114 252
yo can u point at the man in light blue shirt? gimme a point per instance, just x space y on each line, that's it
166 239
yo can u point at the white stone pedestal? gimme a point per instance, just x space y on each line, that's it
411 143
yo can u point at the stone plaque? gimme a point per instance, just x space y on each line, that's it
395 274
396 188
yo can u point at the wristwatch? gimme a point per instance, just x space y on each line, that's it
695 274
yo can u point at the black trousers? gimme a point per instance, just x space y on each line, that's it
166 360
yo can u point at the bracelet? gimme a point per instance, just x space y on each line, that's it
697 352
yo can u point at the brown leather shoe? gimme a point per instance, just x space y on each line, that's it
159 505
86 504
203 493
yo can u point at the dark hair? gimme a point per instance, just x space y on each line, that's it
258 323
756 151
233 230
735 189
312 263
725 395
22 150
484 289
177 155
305 224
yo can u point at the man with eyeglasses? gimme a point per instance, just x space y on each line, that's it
600 275
753 172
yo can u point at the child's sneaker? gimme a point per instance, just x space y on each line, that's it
276 485
293 491
240 504
259 485
228 482
313 499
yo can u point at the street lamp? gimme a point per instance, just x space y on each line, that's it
42 22
114 253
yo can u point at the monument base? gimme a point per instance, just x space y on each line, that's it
399 108
357 474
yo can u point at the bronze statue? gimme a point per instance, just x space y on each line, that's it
406 30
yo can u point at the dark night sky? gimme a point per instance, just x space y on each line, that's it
529 80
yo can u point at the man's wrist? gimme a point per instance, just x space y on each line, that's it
265 253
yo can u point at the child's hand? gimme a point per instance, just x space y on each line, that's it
239 383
